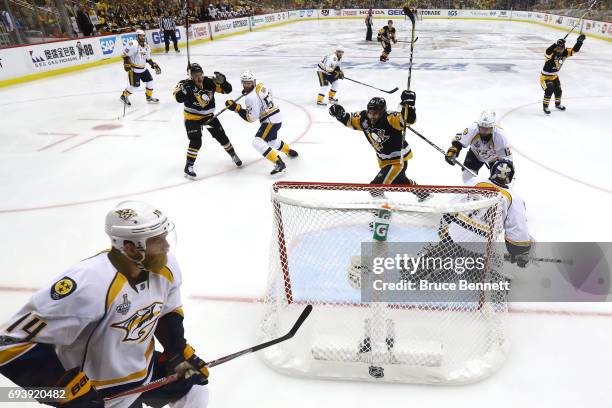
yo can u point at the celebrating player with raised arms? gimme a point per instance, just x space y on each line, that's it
259 105
92 331
197 93
487 143
135 58
549 78
384 131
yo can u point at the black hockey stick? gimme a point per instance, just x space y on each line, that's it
536 259
187 38
223 110
440 150
581 18
370 86
410 15
174 377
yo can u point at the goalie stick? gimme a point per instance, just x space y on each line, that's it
174 377
537 259
370 86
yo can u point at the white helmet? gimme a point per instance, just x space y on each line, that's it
247 75
486 119
140 32
339 48
135 221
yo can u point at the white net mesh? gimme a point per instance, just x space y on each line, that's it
438 336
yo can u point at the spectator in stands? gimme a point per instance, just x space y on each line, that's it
83 22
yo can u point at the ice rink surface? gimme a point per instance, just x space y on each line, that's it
67 156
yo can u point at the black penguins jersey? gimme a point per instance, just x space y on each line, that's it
385 136
199 103
386 34
554 61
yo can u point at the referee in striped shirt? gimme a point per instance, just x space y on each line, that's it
168 26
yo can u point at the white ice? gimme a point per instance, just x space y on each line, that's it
67 156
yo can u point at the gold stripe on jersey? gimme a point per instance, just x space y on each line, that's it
395 120
179 310
389 162
258 88
138 375
11 353
519 243
193 116
267 114
484 228
166 273
115 287
501 190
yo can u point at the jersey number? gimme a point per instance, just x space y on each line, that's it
30 324
268 100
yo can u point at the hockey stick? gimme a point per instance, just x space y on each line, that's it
370 86
580 20
408 42
550 260
187 38
440 150
410 15
222 110
174 377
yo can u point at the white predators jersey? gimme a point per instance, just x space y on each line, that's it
497 148
514 216
138 55
97 320
260 105
329 64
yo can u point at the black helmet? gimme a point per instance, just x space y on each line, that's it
195 67
377 103
560 42
502 172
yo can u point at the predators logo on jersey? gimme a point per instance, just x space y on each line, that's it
140 325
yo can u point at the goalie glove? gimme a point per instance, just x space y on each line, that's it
188 365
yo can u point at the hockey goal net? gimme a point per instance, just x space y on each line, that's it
437 335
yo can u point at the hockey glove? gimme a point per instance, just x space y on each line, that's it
78 391
451 155
337 111
521 260
233 106
127 67
408 98
189 365
581 38
219 78
338 74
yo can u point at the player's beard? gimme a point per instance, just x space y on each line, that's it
155 263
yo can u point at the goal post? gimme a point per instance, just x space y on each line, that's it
327 239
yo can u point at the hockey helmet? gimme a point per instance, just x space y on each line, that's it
195 67
377 104
560 42
502 172
135 221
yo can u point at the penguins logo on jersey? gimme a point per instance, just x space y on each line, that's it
379 136
63 288
126 214
140 325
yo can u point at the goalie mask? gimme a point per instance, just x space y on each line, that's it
502 172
